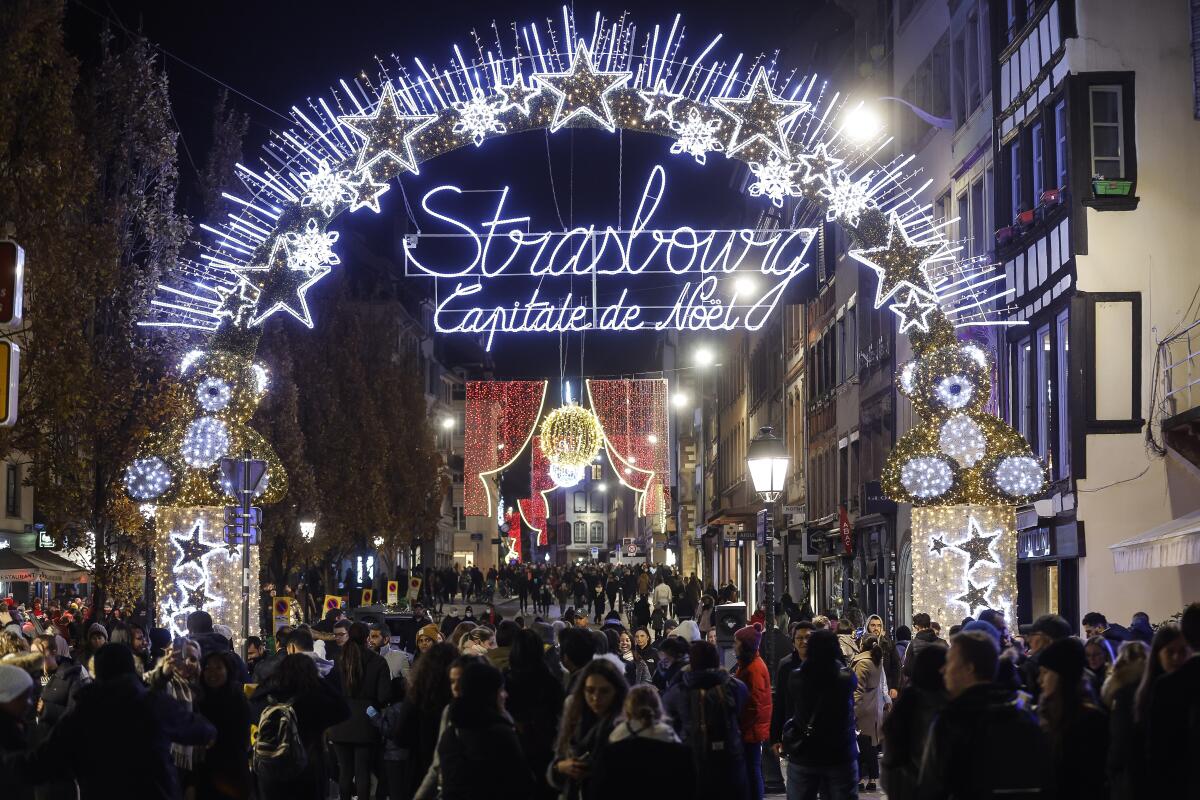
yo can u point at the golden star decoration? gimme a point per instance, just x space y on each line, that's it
900 263
387 132
582 91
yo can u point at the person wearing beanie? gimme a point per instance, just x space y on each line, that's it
1076 727
16 693
755 719
427 637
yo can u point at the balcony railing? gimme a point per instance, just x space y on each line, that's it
1179 356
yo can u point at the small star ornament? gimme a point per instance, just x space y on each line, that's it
518 95
659 102
280 288
978 545
582 91
191 549
365 192
914 312
387 133
975 597
761 116
900 264
938 545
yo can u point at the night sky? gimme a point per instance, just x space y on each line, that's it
273 55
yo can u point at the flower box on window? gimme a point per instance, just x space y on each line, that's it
1025 218
1051 197
1109 188
1005 235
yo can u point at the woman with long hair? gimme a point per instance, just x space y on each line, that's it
1126 736
535 701
222 701
1076 727
589 717
1168 651
367 684
870 699
1099 655
478 642
460 632
480 752
906 729
431 785
424 703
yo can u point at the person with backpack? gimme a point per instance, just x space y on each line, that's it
645 746
367 684
906 728
223 772
288 760
704 708
589 716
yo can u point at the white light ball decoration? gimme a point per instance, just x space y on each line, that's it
976 354
565 476
955 391
213 394
206 440
1019 476
907 373
147 478
926 476
961 438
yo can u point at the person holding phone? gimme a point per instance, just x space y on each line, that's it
589 716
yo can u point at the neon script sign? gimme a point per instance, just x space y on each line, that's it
587 278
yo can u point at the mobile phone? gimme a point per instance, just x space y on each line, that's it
371 712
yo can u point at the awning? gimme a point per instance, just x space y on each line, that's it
1172 544
34 567
65 570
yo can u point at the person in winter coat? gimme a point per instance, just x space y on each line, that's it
60 683
645 746
924 637
426 701
672 661
599 599
224 773
662 597
589 716
367 684
819 740
704 708
17 691
637 670
1099 653
782 705
891 657
870 702
535 700
845 634
755 719
480 753
178 676
707 617
1076 727
1173 737
641 612
1126 735
906 728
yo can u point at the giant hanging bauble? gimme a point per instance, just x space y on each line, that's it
571 436
565 476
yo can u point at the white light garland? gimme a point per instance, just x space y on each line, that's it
1019 476
955 391
697 136
926 476
325 188
213 393
311 249
478 117
775 180
147 478
962 439
206 440
907 373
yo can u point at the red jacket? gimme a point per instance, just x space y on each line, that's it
755 721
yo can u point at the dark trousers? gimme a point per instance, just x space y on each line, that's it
355 762
399 779
868 759
754 777
837 782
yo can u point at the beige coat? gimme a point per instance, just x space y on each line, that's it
869 696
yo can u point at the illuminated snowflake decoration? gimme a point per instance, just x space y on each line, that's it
697 136
907 375
478 117
1020 476
847 199
311 249
961 438
206 440
776 179
147 478
926 476
213 394
325 188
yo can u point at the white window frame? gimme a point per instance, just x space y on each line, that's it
1119 124
1021 412
1061 166
1038 151
1063 348
1043 401
1014 174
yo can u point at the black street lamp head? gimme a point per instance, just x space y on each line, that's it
768 459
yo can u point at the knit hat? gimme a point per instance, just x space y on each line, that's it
95 628
14 682
986 627
750 636
430 631
1066 657
224 631
687 630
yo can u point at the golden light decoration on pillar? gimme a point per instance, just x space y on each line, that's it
571 436
964 560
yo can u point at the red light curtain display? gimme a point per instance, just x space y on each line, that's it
633 414
500 420
515 546
535 510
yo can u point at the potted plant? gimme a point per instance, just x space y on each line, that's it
1105 187
1051 197
1004 235
1024 215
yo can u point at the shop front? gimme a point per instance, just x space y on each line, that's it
1048 553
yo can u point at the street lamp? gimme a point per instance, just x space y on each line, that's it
768 459
703 357
308 529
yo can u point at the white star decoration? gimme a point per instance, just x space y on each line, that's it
517 95
775 179
477 117
847 199
760 115
387 132
366 192
697 136
900 263
819 165
582 91
325 188
276 287
914 312
660 102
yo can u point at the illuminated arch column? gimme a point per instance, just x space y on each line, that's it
194 570
964 560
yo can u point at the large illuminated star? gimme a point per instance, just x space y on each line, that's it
387 132
900 263
280 288
582 90
914 312
975 596
191 549
978 545
760 115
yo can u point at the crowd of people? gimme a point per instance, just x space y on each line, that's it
598 702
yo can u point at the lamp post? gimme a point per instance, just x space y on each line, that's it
768 459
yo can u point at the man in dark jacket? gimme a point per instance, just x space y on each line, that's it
924 637
672 660
786 681
1173 732
1045 631
983 743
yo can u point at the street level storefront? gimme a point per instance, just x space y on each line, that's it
1048 553
20 573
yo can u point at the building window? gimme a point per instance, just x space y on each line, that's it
1060 149
1044 388
1021 384
12 491
580 502
597 533
1036 148
580 534
1107 134
1062 392
597 502
1014 170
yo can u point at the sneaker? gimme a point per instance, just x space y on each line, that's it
870 786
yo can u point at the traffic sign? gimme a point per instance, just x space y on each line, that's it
10 372
234 477
236 534
12 282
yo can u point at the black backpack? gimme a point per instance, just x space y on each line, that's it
278 752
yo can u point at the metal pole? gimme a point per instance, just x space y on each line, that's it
769 590
246 493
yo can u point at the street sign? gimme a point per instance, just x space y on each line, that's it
239 526
233 476
12 282
595 551
236 534
477 537
233 515
10 373
763 522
